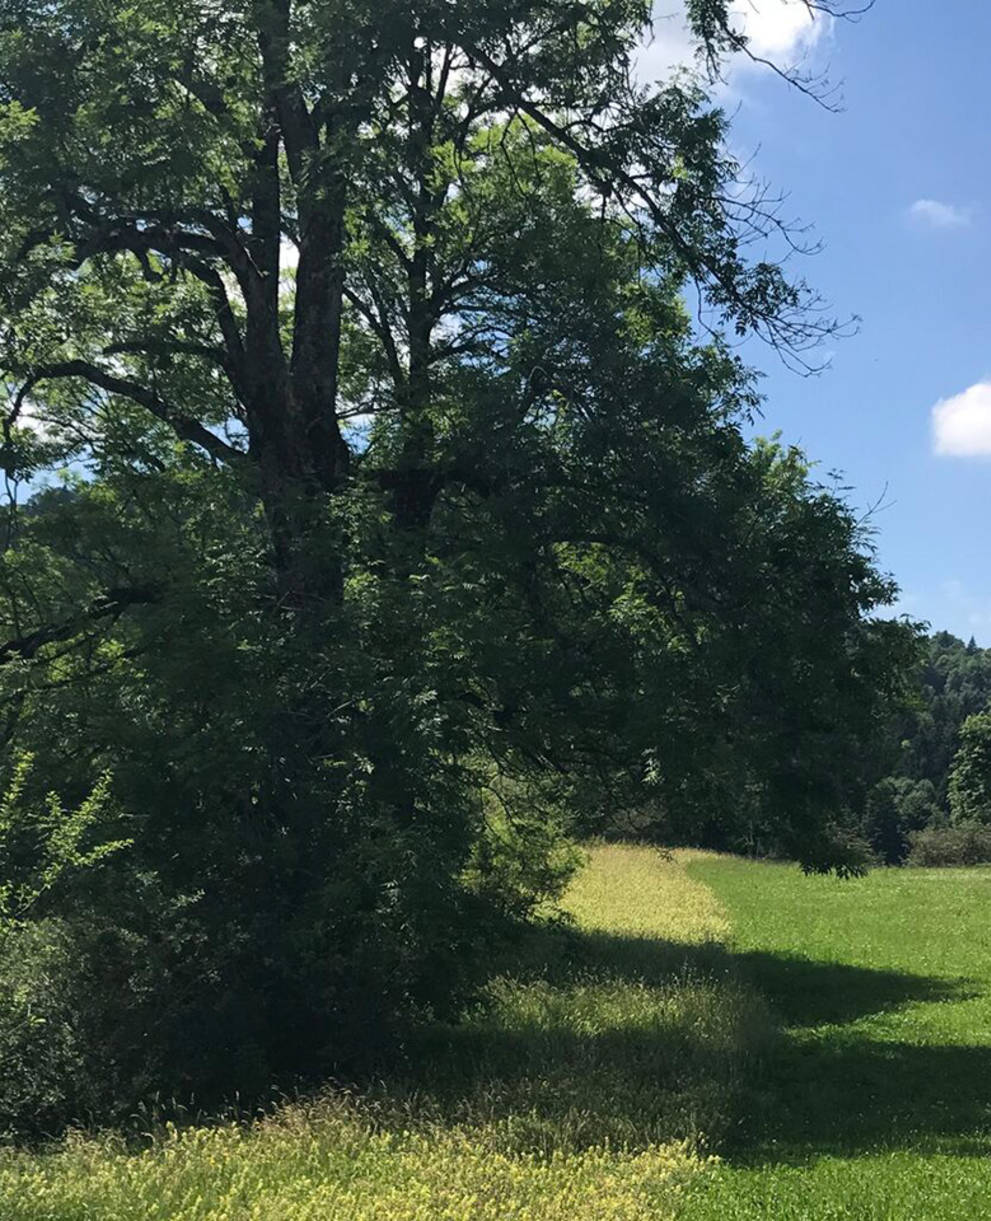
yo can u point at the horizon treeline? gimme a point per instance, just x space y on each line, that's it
938 762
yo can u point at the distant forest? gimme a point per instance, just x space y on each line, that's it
937 751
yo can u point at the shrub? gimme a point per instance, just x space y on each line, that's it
964 844
41 1069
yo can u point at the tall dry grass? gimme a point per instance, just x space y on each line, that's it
587 1086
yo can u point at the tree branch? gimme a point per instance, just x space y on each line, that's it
748 295
110 605
184 426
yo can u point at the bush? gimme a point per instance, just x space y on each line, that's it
964 844
92 1022
41 1069
118 985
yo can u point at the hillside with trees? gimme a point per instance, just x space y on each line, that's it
936 753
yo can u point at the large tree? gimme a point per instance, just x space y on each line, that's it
175 155
407 506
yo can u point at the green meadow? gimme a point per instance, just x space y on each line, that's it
876 1101
702 1038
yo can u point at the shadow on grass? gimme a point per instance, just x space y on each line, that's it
806 993
826 1088
801 991
845 1095
633 1041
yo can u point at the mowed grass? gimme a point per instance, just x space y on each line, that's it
587 1087
876 1101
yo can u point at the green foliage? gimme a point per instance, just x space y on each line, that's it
970 775
955 682
914 749
897 808
52 857
522 855
964 843
450 508
43 844
43 1060
803 681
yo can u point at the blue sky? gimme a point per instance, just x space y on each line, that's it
898 187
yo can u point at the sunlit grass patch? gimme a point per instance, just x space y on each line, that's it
897 1186
631 1031
635 891
875 1102
329 1162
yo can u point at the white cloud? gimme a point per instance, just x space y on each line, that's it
940 215
779 30
962 424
